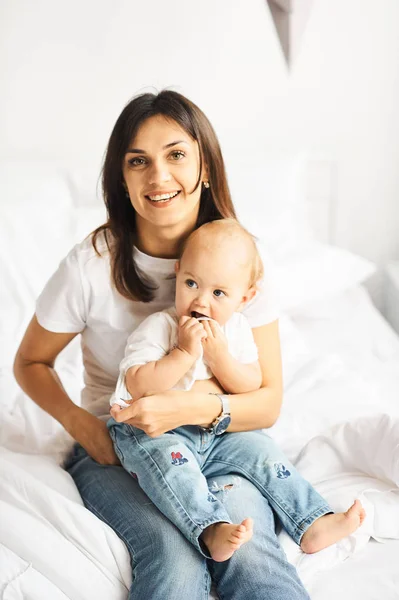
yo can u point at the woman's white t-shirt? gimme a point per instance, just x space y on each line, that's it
81 298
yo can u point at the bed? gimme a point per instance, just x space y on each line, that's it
340 417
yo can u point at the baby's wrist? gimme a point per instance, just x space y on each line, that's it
217 357
184 355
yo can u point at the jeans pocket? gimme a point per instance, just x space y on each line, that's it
76 454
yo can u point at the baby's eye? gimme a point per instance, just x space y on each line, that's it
177 155
190 283
218 293
136 162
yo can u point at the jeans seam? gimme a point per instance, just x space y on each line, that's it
208 581
116 529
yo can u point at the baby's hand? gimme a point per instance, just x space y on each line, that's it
191 333
215 344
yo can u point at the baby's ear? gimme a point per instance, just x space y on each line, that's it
247 298
177 266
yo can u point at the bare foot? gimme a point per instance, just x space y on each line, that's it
329 529
223 539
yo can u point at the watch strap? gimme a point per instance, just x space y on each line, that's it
224 399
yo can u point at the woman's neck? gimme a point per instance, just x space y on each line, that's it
161 242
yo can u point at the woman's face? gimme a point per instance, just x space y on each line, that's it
160 170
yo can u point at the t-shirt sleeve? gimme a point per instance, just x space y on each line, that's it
246 351
264 307
149 342
60 306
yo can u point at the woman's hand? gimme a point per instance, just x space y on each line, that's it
160 413
92 434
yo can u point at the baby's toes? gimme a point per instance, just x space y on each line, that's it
238 535
248 524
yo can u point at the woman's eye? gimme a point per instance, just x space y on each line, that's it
190 283
136 162
218 293
177 155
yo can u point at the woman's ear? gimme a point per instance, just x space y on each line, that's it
177 266
247 298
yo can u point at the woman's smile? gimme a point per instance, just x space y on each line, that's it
161 199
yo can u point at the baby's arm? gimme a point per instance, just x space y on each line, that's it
234 376
158 376
163 374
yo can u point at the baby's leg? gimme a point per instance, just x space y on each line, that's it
329 529
169 473
255 456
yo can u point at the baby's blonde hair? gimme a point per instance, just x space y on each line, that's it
222 229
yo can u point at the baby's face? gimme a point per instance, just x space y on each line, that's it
211 282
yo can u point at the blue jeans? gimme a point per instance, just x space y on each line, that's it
173 469
164 564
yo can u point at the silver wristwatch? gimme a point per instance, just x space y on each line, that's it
221 423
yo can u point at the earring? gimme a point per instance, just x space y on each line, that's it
206 184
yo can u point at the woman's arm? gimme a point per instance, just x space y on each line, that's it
253 410
261 408
34 372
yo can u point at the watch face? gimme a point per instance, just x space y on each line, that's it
222 425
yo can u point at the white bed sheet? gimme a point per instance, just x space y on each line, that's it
371 575
52 547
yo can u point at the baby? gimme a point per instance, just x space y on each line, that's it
205 335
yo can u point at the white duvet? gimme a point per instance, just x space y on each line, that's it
340 424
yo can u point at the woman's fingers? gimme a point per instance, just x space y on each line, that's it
121 415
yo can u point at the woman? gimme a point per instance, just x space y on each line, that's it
163 176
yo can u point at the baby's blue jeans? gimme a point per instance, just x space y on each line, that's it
173 470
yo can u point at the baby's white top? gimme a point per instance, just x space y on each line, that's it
80 297
158 334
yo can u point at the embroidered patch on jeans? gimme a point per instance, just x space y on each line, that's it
178 459
281 471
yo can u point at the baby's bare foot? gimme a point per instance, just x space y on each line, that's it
223 539
329 529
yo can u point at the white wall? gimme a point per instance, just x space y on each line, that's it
67 69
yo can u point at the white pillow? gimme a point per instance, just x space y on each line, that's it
36 228
316 272
295 352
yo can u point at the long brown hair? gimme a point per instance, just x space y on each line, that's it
120 227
